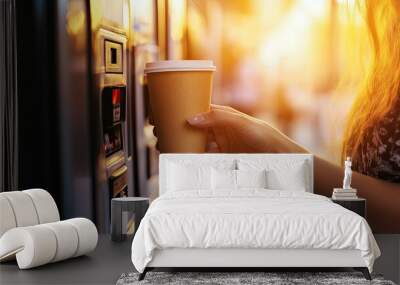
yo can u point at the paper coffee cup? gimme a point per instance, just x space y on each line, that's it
179 89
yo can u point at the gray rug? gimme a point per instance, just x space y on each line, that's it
229 278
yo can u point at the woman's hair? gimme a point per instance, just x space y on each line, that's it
380 90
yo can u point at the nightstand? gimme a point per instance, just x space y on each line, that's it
126 215
358 205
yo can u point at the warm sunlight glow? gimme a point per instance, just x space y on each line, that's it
178 27
281 60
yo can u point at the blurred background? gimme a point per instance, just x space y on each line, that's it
76 104
295 63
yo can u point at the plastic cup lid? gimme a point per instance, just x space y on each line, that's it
179 65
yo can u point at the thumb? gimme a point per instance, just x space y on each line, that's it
215 118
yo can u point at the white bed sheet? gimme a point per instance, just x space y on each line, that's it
251 218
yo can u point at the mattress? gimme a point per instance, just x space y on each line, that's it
250 219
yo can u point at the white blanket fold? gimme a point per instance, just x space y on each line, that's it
250 218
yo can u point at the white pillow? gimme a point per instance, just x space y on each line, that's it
292 179
181 178
223 179
281 174
251 178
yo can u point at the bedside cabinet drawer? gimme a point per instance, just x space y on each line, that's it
358 206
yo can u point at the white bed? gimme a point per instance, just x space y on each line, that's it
248 226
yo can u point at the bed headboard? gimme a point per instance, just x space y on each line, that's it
210 157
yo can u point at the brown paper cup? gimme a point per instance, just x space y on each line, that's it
178 90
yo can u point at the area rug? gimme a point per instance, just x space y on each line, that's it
229 278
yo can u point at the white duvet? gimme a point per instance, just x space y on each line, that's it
252 218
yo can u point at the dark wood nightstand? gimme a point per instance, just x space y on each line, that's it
358 205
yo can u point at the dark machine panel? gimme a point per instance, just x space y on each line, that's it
113 105
113 141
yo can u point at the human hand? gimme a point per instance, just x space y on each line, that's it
231 131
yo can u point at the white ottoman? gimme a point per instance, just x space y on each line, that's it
31 230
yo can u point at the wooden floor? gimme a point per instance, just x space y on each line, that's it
103 266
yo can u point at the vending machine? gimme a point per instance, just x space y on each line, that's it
127 35
110 34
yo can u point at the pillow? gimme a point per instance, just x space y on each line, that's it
223 179
281 174
292 179
181 178
251 178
